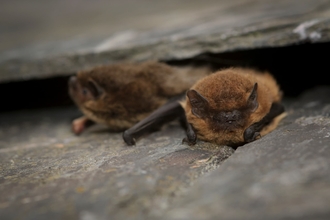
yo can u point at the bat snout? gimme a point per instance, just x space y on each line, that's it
229 117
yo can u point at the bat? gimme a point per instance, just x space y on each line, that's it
120 95
231 107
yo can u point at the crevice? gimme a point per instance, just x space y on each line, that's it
34 94
296 68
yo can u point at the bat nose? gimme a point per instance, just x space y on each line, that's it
73 82
230 117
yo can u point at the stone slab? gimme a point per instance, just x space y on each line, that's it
214 27
284 175
46 172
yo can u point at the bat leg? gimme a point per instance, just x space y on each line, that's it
253 131
164 114
191 135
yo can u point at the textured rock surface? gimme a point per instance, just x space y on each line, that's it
284 175
159 32
48 173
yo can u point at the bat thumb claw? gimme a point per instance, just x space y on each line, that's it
186 140
128 138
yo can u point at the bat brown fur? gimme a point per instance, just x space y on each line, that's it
222 109
229 107
120 95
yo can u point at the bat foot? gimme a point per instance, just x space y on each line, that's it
128 138
77 128
80 124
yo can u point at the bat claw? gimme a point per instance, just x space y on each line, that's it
191 136
186 140
128 138
256 136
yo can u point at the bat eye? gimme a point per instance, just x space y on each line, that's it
85 91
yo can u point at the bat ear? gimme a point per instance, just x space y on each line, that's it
95 88
253 99
199 104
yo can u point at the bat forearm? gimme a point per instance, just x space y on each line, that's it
166 113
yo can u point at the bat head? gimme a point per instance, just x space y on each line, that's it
82 91
222 116
91 92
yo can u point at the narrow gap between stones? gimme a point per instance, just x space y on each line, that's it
297 68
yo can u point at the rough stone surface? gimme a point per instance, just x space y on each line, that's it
209 27
46 172
284 175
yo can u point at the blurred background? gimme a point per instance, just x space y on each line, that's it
82 33
39 28
79 24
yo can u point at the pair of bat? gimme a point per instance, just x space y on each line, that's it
230 107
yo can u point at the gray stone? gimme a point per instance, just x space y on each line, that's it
212 27
284 175
46 172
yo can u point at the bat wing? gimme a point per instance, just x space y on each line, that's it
164 114
252 132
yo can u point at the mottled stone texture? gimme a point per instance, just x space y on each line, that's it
48 173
